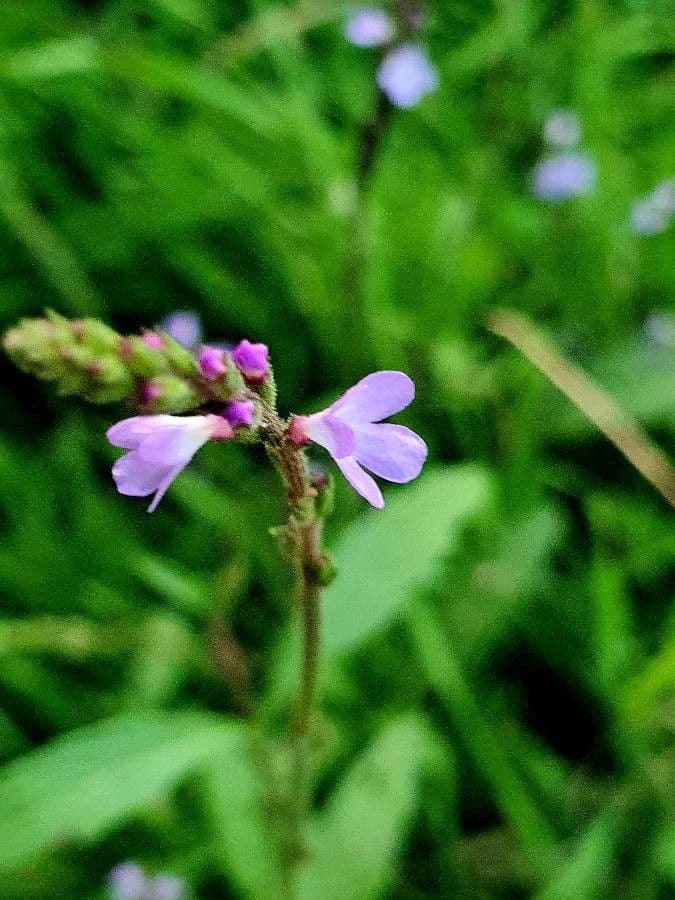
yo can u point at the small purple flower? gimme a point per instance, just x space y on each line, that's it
352 432
164 887
212 362
562 128
647 218
126 882
239 412
652 214
563 176
252 360
160 448
406 75
369 27
183 326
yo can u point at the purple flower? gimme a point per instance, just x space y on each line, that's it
160 448
212 362
652 214
563 176
252 360
647 218
369 27
183 326
352 432
562 128
239 412
406 75
126 882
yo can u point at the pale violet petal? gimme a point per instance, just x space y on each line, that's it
331 433
361 481
167 480
375 397
390 451
135 477
176 443
130 432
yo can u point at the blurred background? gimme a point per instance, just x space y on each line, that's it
496 705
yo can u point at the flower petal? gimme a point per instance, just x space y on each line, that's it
167 480
374 397
361 481
135 477
176 442
390 451
330 432
130 432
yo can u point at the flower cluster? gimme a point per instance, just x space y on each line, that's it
231 393
128 881
406 74
565 172
652 214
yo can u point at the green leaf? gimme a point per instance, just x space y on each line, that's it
354 843
87 781
235 794
386 556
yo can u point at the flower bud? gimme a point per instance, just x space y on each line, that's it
169 394
252 360
140 358
181 361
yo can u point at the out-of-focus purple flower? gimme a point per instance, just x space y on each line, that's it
660 329
562 128
164 887
563 176
369 27
239 412
406 75
183 326
652 214
126 882
252 360
351 430
646 218
160 448
212 362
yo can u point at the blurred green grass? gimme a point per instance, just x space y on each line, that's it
497 706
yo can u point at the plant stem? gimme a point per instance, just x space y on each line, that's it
302 541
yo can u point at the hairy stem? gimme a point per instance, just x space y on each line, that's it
302 543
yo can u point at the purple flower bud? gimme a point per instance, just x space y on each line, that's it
369 27
153 340
185 327
239 412
252 360
149 393
351 430
126 882
562 128
212 362
563 176
406 75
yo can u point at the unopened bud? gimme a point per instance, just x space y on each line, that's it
169 394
